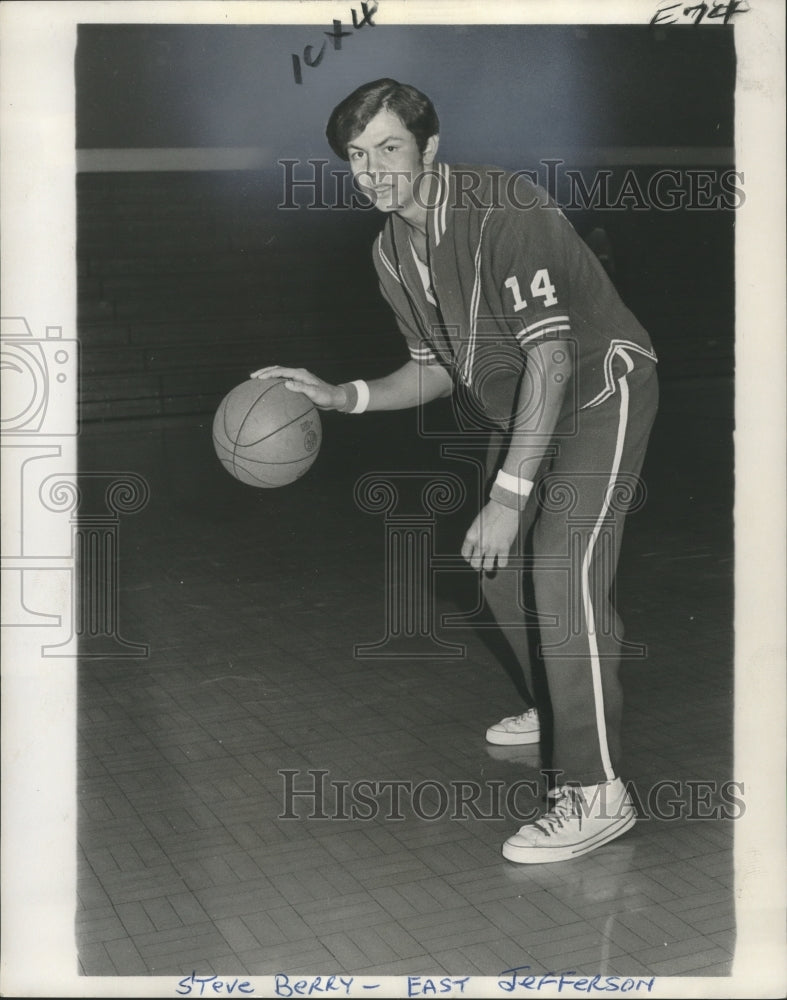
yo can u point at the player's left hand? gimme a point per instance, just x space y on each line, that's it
324 395
490 537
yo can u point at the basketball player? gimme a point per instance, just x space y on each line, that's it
499 299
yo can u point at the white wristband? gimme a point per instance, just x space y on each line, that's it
363 396
513 484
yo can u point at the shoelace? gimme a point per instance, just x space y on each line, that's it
526 715
566 807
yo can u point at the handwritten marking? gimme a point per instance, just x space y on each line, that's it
718 10
286 987
212 984
563 982
335 36
422 986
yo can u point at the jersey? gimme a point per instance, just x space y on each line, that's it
508 271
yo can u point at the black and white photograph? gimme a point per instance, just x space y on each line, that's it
393 498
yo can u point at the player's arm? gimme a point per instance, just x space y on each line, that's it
411 385
541 392
533 273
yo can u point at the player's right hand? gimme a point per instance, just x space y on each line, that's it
490 537
324 395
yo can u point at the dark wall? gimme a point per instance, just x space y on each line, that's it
502 91
188 281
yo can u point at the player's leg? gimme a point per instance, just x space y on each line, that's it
597 473
575 553
504 596
576 544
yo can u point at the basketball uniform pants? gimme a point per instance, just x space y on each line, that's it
575 518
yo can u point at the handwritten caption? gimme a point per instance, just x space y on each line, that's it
416 986
201 986
335 36
516 980
718 11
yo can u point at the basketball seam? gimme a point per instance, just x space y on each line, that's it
260 461
265 437
248 412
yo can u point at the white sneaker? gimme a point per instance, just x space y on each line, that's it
516 729
582 818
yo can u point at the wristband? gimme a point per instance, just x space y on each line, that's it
510 491
357 396
506 497
521 487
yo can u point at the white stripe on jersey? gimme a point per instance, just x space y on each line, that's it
422 354
617 347
550 321
440 206
444 206
388 265
557 328
467 368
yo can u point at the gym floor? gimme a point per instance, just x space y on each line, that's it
252 603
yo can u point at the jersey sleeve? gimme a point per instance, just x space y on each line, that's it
534 267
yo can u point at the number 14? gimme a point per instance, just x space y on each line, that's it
539 286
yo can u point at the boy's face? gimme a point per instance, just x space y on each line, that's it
387 164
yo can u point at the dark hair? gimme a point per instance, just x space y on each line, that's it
350 117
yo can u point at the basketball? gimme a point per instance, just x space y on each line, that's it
266 435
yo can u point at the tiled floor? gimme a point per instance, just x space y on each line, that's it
252 603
